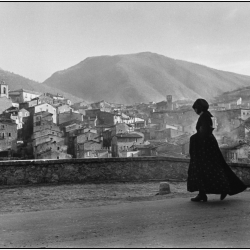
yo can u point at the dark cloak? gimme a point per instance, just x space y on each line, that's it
208 170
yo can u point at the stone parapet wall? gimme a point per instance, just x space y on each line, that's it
101 170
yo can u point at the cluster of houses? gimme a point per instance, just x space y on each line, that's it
37 125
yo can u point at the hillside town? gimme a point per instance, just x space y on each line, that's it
47 126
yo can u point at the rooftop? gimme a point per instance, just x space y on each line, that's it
141 146
182 139
25 90
43 113
128 135
75 121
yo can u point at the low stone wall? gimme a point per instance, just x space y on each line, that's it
101 170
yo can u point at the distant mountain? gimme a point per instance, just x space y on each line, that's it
19 82
143 77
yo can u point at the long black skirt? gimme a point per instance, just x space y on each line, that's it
208 171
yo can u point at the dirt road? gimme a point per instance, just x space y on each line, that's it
162 223
50 197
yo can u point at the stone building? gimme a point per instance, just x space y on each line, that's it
48 150
227 120
47 138
69 116
111 131
87 143
28 121
8 134
149 131
59 99
102 105
5 103
16 115
167 133
161 106
23 95
183 119
124 141
238 153
62 108
145 150
44 98
90 149
33 107
165 105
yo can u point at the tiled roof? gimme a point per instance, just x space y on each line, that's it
144 146
43 113
75 121
104 126
12 108
24 110
25 90
128 135
158 143
7 121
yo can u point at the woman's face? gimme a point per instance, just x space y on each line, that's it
196 111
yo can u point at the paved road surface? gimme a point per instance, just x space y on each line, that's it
168 223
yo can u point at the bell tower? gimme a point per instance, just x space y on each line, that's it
4 89
169 99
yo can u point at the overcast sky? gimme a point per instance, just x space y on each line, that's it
38 39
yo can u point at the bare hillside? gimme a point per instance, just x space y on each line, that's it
143 77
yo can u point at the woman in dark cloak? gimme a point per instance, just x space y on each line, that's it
208 172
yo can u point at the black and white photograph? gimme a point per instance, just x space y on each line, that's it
124 125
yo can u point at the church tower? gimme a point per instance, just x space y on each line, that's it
169 98
4 89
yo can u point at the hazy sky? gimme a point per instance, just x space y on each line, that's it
39 38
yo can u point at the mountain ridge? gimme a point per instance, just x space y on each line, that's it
143 77
133 78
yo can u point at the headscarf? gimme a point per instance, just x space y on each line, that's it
201 105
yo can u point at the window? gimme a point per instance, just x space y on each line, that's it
9 134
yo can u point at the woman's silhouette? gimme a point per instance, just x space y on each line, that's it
208 172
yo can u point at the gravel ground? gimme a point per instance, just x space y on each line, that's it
49 197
